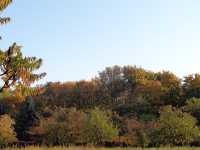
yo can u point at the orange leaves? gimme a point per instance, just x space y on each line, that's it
4 4
17 72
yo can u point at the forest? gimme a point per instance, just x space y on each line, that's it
122 106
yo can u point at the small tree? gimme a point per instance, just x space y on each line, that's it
176 127
99 127
76 126
143 138
7 134
3 5
18 73
193 107
26 119
66 126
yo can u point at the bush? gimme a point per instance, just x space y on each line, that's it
65 127
130 129
143 138
138 131
193 107
73 127
100 128
26 118
7 134
176 127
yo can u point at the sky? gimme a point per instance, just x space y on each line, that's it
78 38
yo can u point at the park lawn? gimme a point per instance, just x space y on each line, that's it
85 148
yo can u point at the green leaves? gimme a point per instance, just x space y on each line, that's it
176 127
100 128
17 72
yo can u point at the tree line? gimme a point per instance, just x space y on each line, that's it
122 106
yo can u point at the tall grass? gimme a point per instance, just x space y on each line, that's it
86 148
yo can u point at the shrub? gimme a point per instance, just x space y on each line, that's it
193 107
100 128
65 127
139 132
73 127
26 118
143 138
176 127
7 134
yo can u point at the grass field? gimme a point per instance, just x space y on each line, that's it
84 148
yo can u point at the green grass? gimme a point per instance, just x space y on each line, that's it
85 148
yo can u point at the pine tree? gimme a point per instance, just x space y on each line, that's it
26 119
4 4
17 73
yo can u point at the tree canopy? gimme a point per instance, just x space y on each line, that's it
17 71
3 5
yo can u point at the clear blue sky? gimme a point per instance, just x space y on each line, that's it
78 38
